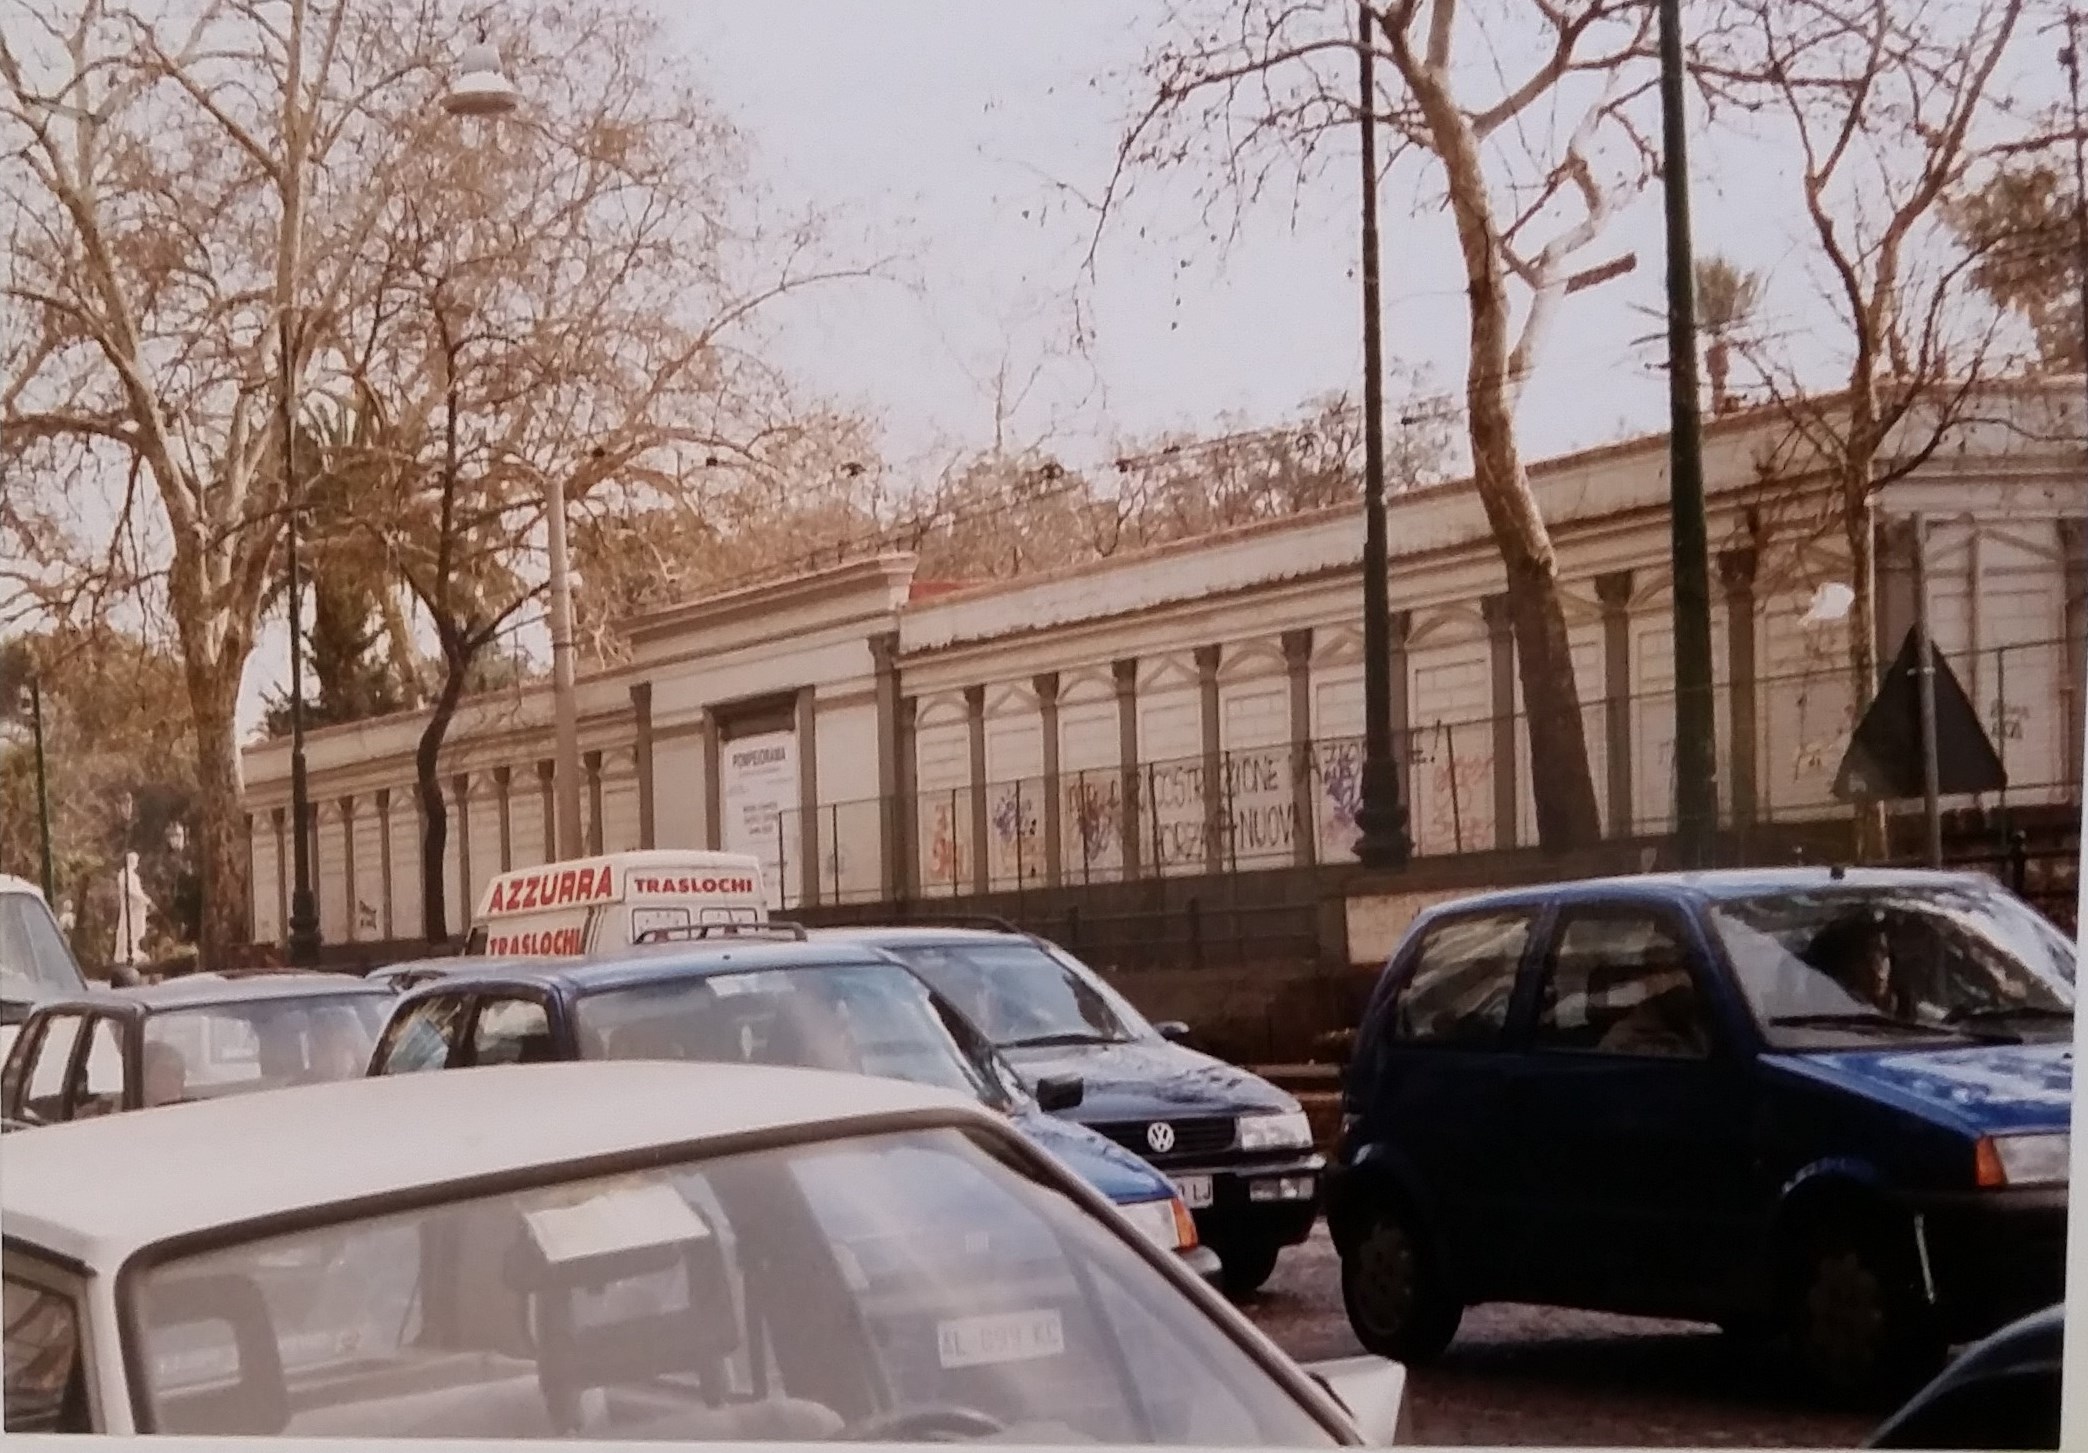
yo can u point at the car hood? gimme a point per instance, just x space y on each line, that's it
1149 1080
1110 1169
1985 1090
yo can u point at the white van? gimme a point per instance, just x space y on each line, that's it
588 905
36 963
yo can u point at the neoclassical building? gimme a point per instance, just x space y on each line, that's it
1197 709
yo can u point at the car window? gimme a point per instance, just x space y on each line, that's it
511 1031
1618 982
35 961
423 1037
1932 960
46 1380
264 1043
1464 976
52 1056
1018 993
97 1087
907 1286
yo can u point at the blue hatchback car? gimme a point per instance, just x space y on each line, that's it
820 1006
1829 1105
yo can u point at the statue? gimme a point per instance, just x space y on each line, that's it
133 914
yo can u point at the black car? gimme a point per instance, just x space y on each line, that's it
1239 1149
2003 1393
1831 1106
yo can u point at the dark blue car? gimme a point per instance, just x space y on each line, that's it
1238 1148
821 1006
1827 1105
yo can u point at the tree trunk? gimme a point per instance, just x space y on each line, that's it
1718 363
434 815
224 854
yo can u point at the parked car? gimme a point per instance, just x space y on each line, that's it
36 963
1239 1149
821 1006
2004 1393
719 1253
412 973
1827 1103
197 1037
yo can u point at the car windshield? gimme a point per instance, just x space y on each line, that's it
896 1287
868 1018
1948 960
35 961
1022 994
221 1049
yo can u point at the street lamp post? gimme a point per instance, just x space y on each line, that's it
1696 791
1381 816
482 90
304 904
43 790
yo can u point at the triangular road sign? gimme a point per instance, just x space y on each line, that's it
1883 761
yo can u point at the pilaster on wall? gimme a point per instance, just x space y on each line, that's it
547 793
1214 825
460 794
1614 592
348 862
811 861
1893 544
906 832
1736 572
1047 688
713 782
641 717
280 821
975 724
389 919
593 762
2073 540
1500 635
1297 666
892 752
1126 672
503 780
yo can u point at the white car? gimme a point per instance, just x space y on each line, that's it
36 963
689 1252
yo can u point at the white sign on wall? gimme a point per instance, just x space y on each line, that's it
758 787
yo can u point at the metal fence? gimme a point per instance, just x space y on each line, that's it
1466 787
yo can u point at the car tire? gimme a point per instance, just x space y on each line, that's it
1394 1291
1860 1329
1244 1269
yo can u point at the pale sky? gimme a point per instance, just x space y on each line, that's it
936 129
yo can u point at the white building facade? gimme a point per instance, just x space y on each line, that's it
1198 709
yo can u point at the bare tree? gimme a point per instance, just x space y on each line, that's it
1529 120
185 190
1891 105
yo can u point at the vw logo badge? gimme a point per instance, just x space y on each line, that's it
1160 1135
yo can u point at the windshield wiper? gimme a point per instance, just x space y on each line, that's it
1070 1036
2011 1011
1861 1021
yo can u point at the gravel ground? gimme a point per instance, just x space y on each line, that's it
1538 1375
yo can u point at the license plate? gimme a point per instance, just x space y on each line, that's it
1006 1337
1195 1191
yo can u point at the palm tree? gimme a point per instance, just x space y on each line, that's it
1726 299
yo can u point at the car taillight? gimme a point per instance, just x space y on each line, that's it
1185 1227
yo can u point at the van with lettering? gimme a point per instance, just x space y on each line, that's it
587 905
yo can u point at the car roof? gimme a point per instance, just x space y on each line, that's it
96 1191
202 991
9 883
1715 884
923 933
634 967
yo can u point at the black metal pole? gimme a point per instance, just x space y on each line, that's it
43 790
304 911
1380 816
1696 791
1925 686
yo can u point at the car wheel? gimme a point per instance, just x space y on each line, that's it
1859 1326
1393 1290
1244 1269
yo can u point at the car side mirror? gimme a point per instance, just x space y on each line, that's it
1174 1031
1060 1092
1372 1390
